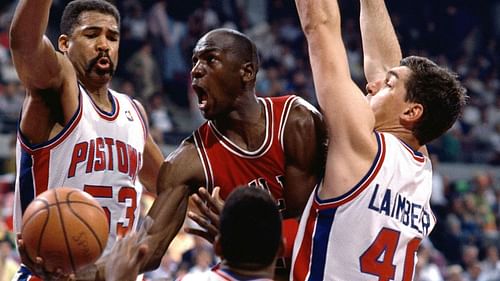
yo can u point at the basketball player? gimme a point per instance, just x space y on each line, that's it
73 130
376 184
248 250
246 141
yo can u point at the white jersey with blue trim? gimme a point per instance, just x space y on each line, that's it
98 152
373 231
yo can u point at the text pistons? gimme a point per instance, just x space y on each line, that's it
105 154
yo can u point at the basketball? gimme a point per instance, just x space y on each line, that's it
66 227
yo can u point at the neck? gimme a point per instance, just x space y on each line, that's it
403 134
99 94
245 124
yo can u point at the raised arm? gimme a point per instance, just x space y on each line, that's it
381 48
37 63
349 119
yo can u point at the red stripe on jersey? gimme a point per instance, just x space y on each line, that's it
142 118
284 118
417 157
303 260
41 164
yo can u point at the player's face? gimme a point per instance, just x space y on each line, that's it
93 46
387 97
215 75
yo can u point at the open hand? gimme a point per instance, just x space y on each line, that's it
210 206
37 265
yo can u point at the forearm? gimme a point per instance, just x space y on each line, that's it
316 14
29 25
381 48
168 212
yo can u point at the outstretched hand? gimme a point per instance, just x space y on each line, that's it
127 255
210 206
37 265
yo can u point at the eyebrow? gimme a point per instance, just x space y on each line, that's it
97 28
393 73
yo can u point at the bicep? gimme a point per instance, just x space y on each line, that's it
43 68
304 157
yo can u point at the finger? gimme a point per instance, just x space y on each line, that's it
207 212
200 233
212 203
208 226
202 207
218 199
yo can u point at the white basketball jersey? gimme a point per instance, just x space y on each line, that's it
373 231
98 152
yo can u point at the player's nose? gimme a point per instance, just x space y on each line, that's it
373 87
197 71
102 44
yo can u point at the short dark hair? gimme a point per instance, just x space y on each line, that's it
74 9
244 47
250 228
440 93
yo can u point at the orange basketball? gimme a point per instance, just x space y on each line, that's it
66 227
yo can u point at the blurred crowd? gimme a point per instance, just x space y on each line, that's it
157 38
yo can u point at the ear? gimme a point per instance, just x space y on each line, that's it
412 114
248 72
63 43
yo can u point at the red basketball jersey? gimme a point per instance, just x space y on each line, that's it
228 166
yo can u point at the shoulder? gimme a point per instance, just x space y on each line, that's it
182 167
303 114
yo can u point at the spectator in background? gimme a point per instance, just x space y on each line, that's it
144 72
161 122
11 101
490 266
159 32
8 266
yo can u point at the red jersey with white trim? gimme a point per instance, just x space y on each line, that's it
228 166
98 152
373 231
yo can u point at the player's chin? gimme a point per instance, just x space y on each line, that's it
102 76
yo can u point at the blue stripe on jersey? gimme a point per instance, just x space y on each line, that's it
23 274
320 244
26 188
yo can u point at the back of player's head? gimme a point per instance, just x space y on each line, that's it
250 228
439 92
74 9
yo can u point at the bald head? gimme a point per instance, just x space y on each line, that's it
231 41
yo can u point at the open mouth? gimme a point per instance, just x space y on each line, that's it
103 63
202 96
